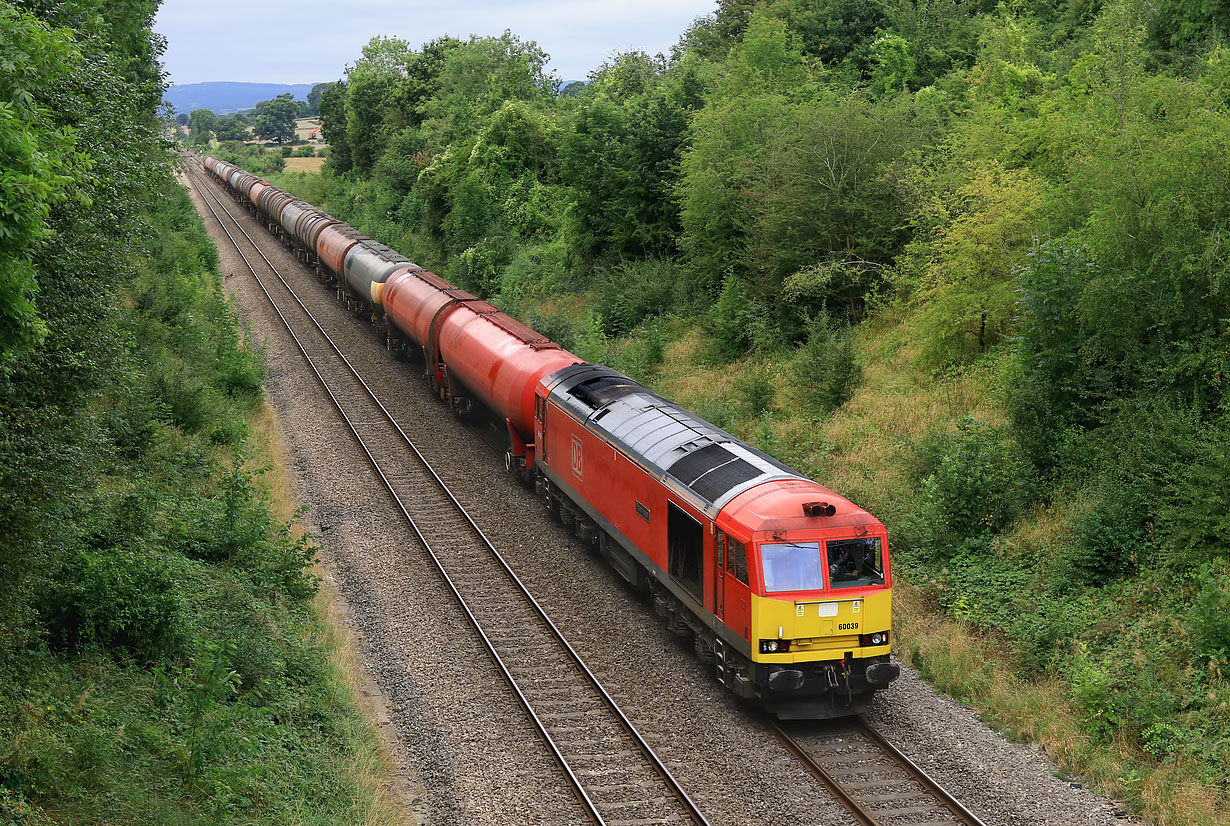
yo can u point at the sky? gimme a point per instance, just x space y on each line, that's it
313 41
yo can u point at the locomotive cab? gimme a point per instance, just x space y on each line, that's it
819 599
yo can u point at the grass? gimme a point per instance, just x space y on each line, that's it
312 165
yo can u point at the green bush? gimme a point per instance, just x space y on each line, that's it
737 322
824 369
633 291
643 351
1208 619
116 597
975 482
756 390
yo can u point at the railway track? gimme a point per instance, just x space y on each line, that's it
876 783
614 773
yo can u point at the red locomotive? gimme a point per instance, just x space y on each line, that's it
783 584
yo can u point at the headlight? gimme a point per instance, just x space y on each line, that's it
878 638
774 646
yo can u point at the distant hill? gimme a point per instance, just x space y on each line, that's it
224 97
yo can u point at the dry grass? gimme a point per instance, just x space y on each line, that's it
313 165
371 763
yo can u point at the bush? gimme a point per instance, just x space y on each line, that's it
756 390
976 482
115 597
824 370
642 352
633 291
1208 620
737 322
305 151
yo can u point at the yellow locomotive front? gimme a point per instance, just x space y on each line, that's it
819 618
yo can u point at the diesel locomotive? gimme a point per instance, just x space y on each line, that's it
783 585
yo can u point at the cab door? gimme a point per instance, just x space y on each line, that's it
719 577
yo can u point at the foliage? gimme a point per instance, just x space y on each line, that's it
983 230
973 483
275 119
40 165
201 124
230 128
824 370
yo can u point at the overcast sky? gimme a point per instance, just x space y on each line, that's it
313 41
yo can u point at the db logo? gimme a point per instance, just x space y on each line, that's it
578 461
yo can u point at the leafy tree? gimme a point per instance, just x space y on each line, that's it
623 149
725 157
275 119
479 76
333 125
313 98
230 128
970 287
182 118
840 33
369 82
200 124
40 166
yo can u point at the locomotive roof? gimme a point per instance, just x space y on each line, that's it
673 443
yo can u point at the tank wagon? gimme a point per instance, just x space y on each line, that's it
783 585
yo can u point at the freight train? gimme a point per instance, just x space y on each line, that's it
783 585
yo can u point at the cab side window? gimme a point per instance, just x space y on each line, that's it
741 562
721 550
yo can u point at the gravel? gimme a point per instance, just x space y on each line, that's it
466 752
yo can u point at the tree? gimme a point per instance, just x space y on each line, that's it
333 125
230 129
275 119
200 123
478 77
182 118
37 163
313 98
368 85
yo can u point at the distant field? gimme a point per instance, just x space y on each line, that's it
304 164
